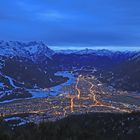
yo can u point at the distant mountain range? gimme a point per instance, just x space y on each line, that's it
119 69
33 64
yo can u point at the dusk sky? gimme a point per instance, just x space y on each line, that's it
72 22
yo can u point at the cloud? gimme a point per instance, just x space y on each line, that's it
97 22
53 16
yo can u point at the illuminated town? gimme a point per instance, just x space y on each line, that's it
88 94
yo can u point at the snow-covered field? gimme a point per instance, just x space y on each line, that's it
20 120
42 93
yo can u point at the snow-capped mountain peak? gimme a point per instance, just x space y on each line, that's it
24 49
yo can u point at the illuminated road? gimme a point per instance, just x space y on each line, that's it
76 87
92 95
97 102
88 97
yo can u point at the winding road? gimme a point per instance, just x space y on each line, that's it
92 95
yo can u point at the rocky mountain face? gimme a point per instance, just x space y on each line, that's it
31 50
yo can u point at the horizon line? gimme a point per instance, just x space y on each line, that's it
112 48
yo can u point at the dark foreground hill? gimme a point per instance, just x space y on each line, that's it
95 126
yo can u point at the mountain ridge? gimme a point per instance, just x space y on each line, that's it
31 50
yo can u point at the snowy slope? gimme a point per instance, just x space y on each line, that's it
25 49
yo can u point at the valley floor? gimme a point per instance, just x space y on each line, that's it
86 95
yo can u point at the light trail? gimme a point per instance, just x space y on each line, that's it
99 103
95 101
72 104
72 97
76 87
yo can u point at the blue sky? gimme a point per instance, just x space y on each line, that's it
72 22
